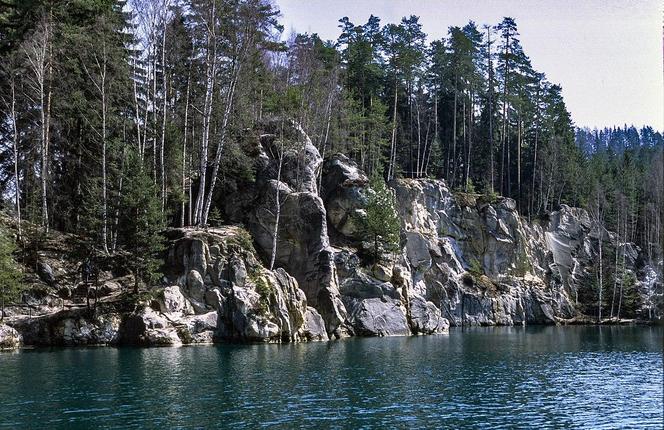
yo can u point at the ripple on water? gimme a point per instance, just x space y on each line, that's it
538 377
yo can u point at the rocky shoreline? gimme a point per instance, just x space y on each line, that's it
464 259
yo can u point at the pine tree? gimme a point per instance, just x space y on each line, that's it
381 224
141 222
10 276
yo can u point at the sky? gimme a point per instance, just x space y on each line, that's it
606 54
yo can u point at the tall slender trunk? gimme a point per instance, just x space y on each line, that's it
454 136
190 208
164 91
277 212
532 187
598 219
154 115
410 127
518 161
137 113
393 149
419 140
39 64
615 274
47 133
491 150
104 232
503 136
116 219
470 140
435 141
464 142
210 79
184 151
222 141
622 277
508 165
17 189
146 113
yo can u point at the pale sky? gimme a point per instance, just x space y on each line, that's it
606 54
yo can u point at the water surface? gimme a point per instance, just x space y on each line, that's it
535 377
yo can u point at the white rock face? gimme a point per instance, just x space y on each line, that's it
303 245
486 262
378 317
172 301
314 326
250 302
9 337
464 260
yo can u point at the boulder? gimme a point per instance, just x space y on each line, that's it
425 317
377 317
45 273
109 287
314 326
9 337
199 328
172 301
147 328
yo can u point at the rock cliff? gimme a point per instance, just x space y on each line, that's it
464 259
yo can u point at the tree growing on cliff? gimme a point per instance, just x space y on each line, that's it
381 223
10 277
142 222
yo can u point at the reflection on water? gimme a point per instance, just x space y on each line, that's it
546 377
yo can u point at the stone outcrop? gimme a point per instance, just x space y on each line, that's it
463 259
216 290
9 337
303 247
343 193
216 271
69 328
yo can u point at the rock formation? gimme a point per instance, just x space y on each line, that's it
464 259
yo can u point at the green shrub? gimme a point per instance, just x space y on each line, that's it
265 290
476 268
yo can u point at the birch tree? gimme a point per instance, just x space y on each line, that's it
37 51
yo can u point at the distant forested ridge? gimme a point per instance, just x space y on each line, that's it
121 114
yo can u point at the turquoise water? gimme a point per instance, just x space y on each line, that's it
535 377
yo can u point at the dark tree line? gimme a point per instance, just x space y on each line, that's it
124 113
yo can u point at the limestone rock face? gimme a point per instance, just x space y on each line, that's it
148 328
343 191
314 325
172 301
69 328
303 247
251 302
9 337
477 262
468 260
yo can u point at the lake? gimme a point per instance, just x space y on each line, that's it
509 377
